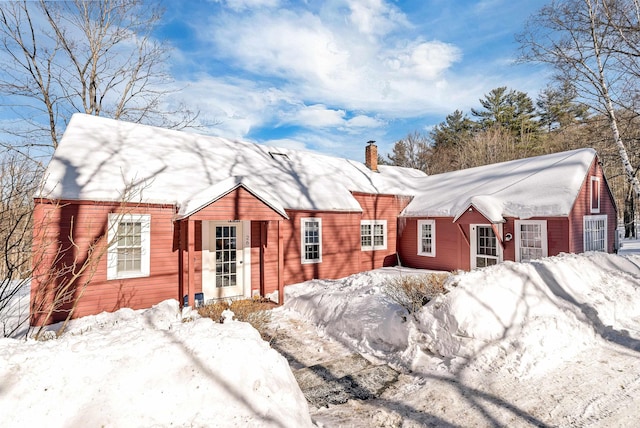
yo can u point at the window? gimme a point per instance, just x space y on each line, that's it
531 239
595 194
311 240
129 246
595 233
373 235
427 238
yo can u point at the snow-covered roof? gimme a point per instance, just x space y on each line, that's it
218 190
545 185
98 158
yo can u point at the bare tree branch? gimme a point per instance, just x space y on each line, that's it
94 57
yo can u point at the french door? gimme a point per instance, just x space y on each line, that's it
222 260
485 250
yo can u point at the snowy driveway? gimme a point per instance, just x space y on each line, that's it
551 343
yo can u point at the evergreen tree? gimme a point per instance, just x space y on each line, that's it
557 107
454 131
510 109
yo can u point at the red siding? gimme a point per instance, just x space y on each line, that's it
452 250
557 235
453 241
381 207
72 228
240 204
582 207
340 246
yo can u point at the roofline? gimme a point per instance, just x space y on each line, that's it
235 187
472 205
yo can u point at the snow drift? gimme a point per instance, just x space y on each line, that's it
149 368
523 318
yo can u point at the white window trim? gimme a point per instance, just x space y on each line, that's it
374 223
591 208
545 239
433 238
303 222
587 218
145 243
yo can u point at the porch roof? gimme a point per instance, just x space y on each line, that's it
213 193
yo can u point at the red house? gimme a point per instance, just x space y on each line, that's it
518 210
130 215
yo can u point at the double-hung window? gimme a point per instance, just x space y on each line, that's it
427 238
373 235
129 245
311 239
595 232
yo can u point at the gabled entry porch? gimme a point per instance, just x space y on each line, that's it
222 243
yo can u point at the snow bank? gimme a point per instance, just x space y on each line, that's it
527 318
522 318
354 310
149 368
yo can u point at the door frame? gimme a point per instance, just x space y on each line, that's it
243 259
543 232
473 243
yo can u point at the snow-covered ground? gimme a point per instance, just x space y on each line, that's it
148 368
555 342
550 343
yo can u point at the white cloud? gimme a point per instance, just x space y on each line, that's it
240 5
330 61
362 121
318 116
337 71
234 106
375 17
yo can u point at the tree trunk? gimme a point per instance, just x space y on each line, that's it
629 215
613 123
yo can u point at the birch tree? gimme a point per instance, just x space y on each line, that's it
94 57
581 40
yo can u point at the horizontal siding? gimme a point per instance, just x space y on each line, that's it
340 248
381 207
237 205
557 235
452 251
582 207
63 234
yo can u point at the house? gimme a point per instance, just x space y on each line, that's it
518 210
129 215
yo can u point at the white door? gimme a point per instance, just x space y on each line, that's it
485 250
531 239
222 259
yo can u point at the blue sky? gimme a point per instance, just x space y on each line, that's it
331 75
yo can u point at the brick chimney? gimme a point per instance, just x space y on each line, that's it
371 156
